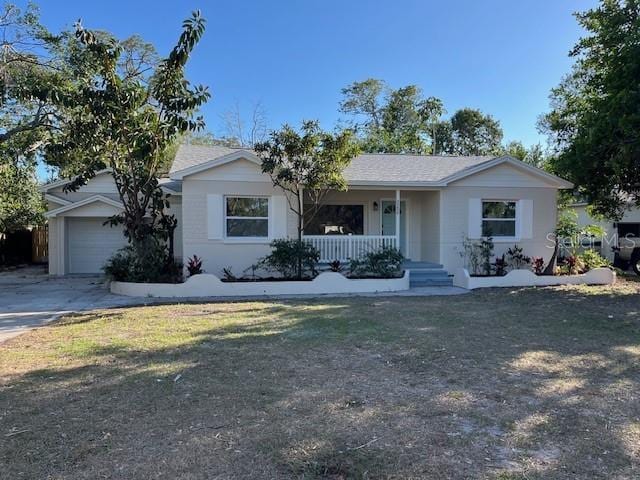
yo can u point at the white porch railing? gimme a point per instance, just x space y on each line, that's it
346 247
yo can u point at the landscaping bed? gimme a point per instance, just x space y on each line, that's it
536 383
526 278
208 285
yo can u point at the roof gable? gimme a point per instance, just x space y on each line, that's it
190 155
495 173
83 203
234 156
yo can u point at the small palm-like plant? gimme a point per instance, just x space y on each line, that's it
194 266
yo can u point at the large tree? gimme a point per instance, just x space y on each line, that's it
307 164
391 120
594 122
469 132
30 68
21 204
403 120
126 119
534 155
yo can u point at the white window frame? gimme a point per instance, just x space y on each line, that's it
268 218
516 219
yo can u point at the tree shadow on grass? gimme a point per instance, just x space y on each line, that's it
510 383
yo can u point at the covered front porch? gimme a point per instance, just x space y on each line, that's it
352 223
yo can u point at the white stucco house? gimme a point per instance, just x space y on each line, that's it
228 211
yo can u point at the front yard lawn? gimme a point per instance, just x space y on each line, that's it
504 384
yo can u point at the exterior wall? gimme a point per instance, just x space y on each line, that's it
455 215
175 208
55 255
220 253
430 227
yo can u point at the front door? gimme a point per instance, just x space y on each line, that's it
389 221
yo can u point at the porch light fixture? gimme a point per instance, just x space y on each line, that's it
375 206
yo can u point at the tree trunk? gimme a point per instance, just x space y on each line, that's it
552 262
171 242
300 228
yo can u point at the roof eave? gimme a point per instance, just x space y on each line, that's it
391 184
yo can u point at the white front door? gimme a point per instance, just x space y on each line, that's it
389 221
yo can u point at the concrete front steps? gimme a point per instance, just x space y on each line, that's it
426 274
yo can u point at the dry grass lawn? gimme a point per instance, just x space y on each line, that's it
501 384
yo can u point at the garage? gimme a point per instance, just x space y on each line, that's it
90 243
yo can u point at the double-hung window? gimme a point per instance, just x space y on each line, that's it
498 218
246 217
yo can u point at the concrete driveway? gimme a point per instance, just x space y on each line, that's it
29 298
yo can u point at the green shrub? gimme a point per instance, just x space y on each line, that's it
383 263
486 252
516 258
470 255
592 259
287 254
500 266
150 263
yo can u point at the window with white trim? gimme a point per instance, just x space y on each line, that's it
498 218
246 217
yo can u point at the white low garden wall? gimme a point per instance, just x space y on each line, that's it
526 278
207 285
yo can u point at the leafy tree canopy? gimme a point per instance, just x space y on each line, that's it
403 120
21 204
391 120
307 164
470 132
124 112
534 155
594 122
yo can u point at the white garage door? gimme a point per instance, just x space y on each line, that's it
91 244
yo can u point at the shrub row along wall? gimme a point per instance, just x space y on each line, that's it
207 285
526 278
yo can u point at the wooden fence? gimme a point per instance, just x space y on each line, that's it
39 244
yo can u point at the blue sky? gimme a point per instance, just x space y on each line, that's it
500 56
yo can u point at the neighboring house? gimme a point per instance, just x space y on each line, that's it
228 210
621 243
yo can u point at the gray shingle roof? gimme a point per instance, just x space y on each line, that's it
407 168
364 168
190 155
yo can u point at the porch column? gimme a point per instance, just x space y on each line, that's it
398 219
